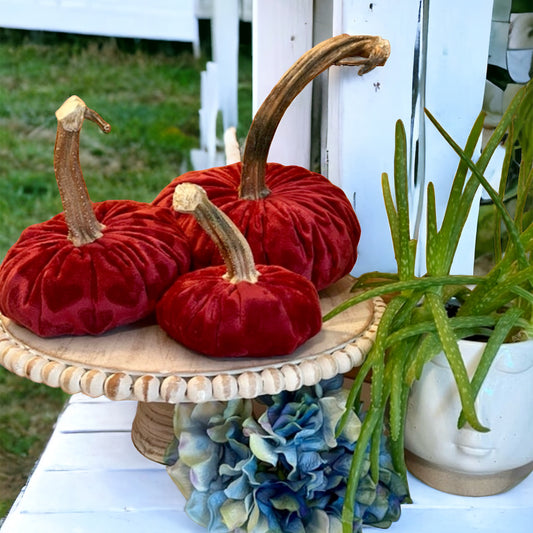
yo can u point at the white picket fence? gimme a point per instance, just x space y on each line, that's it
439 59
440 50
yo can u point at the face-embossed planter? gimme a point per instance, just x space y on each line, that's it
464 461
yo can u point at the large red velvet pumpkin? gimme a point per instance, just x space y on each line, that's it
236 310
95 266
290 216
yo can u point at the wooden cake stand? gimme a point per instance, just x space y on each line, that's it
142 363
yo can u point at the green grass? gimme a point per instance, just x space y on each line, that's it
150 94
151 100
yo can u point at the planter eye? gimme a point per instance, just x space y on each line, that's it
94 266
513 360
238 309
291 217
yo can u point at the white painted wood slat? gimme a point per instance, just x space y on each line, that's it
102 416
225 36
157 19
125 521
283 31
362 112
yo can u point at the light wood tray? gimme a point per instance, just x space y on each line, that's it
142 363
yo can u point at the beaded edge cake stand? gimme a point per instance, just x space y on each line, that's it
142 363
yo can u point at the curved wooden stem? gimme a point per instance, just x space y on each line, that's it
83 227
370 52
235 250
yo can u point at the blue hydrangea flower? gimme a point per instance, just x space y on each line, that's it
280 470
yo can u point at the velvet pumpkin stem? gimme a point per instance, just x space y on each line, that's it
365 51
235 250
83 227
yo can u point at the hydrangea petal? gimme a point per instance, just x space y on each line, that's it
321 522
234 513
179 473
263 450
197 509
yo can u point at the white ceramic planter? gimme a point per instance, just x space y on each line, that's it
464 461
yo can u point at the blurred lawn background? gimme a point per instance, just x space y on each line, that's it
150 94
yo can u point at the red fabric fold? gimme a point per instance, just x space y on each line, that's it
54 288
208 314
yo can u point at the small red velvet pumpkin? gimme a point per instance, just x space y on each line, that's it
290 216
95 266
236 310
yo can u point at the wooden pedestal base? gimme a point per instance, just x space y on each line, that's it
152 430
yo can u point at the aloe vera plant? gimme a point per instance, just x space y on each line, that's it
416 324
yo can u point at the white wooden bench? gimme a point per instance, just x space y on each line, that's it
91 479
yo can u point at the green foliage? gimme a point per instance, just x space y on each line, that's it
416 325
150 98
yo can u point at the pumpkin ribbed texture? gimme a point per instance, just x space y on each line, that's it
238 309
53 288
210 315
306 224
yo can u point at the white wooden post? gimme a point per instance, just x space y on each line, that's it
207 155
453 38
225 36
362 112
282 32
455 66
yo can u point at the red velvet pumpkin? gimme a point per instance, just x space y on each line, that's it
236 310
290 216
95 266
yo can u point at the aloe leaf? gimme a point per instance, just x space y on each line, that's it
397 446
499 132
457 208
409 285
525 186
375 447
433 248
355 389
455 360
461 196
496 294
428 347
367 429
522 293
392 216
508 221
470 323
375 357
497 235
501 330
405 267
375 278
399 357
